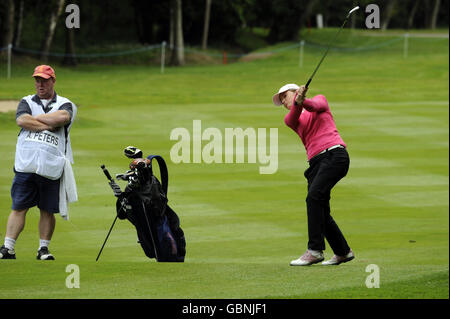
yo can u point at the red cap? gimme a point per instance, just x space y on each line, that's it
44 71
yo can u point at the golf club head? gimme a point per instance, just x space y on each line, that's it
352 10
125 176
139 163
132 152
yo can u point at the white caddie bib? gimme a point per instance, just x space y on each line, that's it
43 152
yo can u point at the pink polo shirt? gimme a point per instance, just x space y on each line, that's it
314 124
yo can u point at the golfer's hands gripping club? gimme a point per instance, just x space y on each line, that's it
301 95
116 188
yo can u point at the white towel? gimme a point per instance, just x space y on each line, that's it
67 190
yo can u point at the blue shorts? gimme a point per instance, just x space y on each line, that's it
29 190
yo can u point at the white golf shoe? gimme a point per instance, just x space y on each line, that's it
336 260
308 258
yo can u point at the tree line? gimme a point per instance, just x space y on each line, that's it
40 24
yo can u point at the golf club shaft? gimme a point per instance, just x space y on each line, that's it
106 238
329 45
108 176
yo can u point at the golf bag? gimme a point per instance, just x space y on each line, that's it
144 204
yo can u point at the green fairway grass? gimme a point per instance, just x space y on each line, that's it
243 228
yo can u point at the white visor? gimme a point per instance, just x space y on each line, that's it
276 97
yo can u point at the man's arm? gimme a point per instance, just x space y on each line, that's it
29 123
54 119
42 122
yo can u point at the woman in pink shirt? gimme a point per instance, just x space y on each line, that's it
328 161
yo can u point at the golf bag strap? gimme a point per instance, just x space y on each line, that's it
162 170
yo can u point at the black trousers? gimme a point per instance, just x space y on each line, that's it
324 172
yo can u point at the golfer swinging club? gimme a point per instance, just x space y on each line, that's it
328 160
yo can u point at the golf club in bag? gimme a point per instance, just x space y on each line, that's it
144 204
108 176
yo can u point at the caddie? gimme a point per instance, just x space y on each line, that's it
42 166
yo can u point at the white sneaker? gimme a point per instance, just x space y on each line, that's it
308 258
336 260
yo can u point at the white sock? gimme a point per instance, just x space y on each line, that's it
10 243
43 243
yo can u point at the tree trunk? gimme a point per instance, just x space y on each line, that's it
18 32
46 43
206 25
434 14
305 15
7 31
172 24
69 57
412 14
178 49
388 14
138 22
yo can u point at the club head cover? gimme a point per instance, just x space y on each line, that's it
132 152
